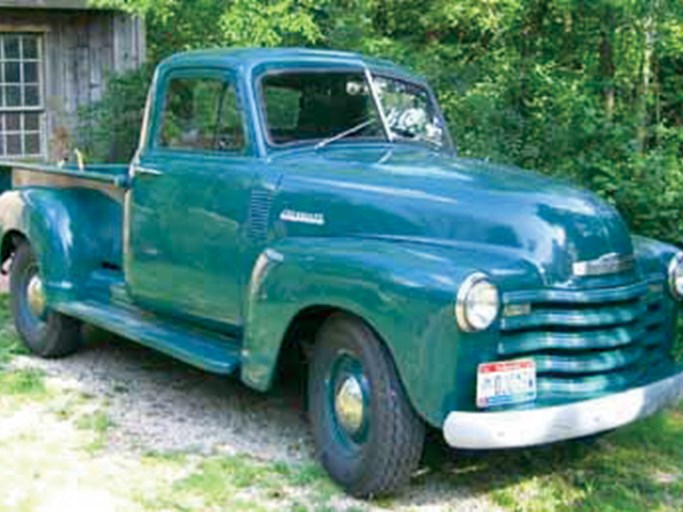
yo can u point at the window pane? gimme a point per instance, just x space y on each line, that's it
14 144
410 112
31 96
32 143
32 122
305 105
21 125
30 50
12 95
282 105
11 47
230 135
13 122
12 72
189 119
30 72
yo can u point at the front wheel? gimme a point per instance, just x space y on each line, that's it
44 332
368 436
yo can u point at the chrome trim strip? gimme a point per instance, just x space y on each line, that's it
378 104
139 170
611 263
513 429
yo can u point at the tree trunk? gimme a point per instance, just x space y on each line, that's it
650 29
607 70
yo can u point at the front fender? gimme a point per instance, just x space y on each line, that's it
404 291
72 232
653 256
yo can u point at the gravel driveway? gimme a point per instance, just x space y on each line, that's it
159 405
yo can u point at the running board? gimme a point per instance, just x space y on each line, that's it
215 354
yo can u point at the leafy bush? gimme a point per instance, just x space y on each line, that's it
108 130
589 91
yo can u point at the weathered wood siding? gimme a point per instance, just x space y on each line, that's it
46 4
80 49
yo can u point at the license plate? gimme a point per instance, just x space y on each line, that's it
506 382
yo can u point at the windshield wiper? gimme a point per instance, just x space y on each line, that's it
341 135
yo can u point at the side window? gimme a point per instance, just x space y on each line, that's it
201 114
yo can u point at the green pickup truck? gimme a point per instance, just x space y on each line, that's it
297 203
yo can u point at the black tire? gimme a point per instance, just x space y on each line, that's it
384 451
50 334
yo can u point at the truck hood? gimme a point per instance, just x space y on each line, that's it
409 193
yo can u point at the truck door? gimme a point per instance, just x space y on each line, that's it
189 200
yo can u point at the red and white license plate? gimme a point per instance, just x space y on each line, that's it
506 382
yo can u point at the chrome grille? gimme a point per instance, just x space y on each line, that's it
586 342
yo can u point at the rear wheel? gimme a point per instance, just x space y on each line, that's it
44 332
368 436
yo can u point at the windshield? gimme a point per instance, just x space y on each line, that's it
311 106
324 107
409 111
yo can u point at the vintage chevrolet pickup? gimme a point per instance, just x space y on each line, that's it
311 202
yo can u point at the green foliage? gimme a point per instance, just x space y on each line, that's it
590 91
108 130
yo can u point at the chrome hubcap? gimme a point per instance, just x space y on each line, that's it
349 406
36 296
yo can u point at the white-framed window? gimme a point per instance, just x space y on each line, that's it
22 112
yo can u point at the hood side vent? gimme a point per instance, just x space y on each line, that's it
259 214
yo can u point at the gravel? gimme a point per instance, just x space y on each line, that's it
159 405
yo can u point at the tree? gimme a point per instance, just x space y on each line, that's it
589 90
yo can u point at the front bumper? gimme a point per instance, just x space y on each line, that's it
513 429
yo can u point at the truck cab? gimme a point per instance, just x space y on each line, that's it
312 202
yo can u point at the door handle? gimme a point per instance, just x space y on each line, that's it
146 171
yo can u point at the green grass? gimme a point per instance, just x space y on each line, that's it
22 382
99 424
228 483
61 432
10 344
637 468
14 383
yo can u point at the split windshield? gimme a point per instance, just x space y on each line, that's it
309 106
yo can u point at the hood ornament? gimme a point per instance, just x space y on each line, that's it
611 263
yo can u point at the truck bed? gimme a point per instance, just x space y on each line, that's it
14 174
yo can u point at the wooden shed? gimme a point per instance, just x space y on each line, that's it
55 56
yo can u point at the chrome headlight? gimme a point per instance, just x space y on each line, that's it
676 276
477 304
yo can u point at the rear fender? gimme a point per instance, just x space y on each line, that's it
72 232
